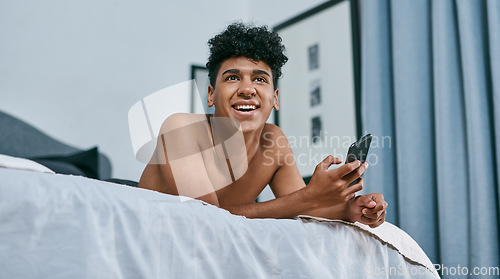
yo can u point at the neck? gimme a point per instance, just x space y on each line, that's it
224 127
252 142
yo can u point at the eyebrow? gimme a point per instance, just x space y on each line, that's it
237 71
261 72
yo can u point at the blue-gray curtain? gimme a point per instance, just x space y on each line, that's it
431 84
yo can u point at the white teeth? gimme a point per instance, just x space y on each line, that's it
245 107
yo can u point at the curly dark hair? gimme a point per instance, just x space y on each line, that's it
256 43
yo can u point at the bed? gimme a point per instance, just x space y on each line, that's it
20 139
71 226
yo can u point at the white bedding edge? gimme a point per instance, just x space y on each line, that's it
62 226
11 162
391 236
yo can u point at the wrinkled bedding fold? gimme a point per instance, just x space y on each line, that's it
62 226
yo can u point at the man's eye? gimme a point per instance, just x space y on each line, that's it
232 78
260 79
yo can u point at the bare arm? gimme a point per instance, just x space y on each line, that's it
326 196
328 203
176 166
287 206
368 209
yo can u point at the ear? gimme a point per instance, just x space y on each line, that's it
276 100
210 98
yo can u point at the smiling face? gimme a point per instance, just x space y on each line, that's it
244 91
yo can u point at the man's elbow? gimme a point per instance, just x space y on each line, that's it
210 198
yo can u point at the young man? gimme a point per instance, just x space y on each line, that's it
227 158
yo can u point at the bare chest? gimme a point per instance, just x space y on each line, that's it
239 181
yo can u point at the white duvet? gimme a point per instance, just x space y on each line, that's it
61 226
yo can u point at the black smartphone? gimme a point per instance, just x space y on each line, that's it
359 149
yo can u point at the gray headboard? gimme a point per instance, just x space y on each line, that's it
19 139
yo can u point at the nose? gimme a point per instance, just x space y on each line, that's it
247 88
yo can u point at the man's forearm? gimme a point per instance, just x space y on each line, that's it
288 206
335 212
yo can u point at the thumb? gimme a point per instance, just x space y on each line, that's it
366 201
328 161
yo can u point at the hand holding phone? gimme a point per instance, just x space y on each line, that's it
359 149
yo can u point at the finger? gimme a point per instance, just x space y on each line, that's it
328 161
379 198
348 168
372 215
352 189
367 221
355 174
373 212
374 225
381 217
337 160
373 222
379 207
375 215
380 221
366 202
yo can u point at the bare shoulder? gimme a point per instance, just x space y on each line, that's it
287 178
173 142
273 136
178 120
275 144
272 128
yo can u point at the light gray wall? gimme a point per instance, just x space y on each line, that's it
74 68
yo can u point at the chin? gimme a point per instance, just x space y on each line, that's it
250 126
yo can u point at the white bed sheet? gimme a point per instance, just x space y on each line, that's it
61 226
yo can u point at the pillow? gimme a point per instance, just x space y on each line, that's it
122 181
22 164
84 163
61 167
